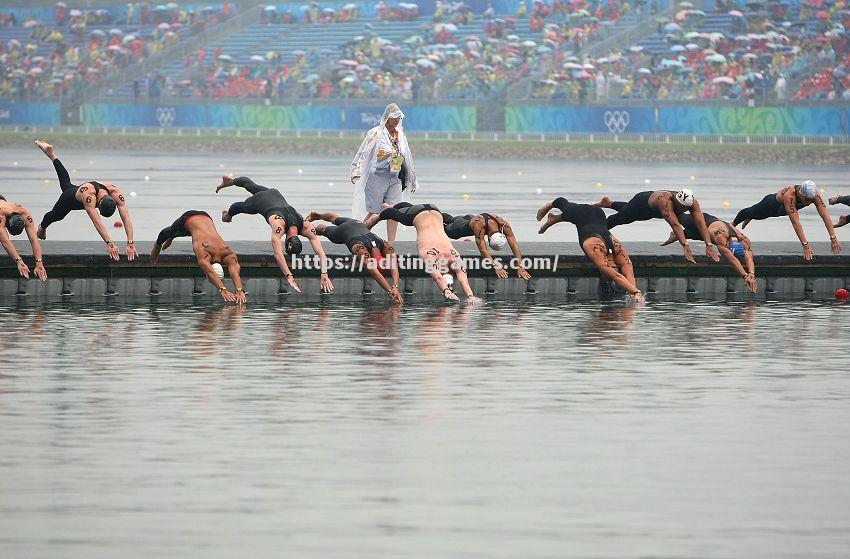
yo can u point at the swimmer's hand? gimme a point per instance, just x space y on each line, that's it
450 295
40 271
112 250
711 253
325 283
22 268
354 179
501 272
395 296
750 280
808 254
637 296
472 301
131 252
241 298
836 246
228 296
523 274
290 279
689 256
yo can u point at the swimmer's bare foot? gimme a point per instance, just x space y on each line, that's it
605 202
226 180
41 233
842 221
670 240
226 217
744 225
543 210
386 206
313 216
551 220
834 200
46 148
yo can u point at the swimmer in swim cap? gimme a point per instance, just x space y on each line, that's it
435 248
788 201
369 248
733 245
95 198
487 228
210 249
664 204
14 219
285 222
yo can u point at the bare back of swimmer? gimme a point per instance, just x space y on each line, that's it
434 247
209 249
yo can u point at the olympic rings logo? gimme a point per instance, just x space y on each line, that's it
616 121
165 116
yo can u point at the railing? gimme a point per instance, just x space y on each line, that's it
562 137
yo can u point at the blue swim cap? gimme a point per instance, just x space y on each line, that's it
737 249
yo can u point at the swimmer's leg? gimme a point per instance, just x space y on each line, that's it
842 221
551 220
249 185
840 200
606 202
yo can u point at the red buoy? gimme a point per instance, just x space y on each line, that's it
118 224
841 294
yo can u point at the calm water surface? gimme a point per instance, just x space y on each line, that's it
535 428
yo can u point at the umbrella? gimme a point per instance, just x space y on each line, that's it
270 8
113 48
349 79
822 15
35 70
115 31
543 50
529 43
171 6
692 46
128 38
425 63
311 77
257 58
75 13
735 13
692 35
163 25
584 76
589 67
677 48
573 66
98 32
450 27
363 68
225 57
686 5
749 56
644 71
723 79
667 63
636 49
413 39
61 5
382 41
298 52
718 58
672 26
346 62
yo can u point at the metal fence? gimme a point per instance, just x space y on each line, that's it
564 138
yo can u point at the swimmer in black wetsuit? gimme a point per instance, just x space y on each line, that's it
664 204
434 247
727 238
842 219
599 245
92 197
284 220
788 201
210 250
497 231
14 219
368 247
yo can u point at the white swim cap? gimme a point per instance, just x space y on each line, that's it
449 279
809 189
685 197
498 241
219 271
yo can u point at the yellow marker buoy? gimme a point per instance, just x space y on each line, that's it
725 205
693 178
599 185
466 196
519 173
46 181
221 165
821 191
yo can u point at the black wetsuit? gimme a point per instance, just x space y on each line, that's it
589 221
67 201
636 209
351 232
405 212
266 202
769 206
178 228
692 232
458 227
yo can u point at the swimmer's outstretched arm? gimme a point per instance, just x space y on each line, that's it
460 274
669 216
372 268
512 242
91 210
124 212
441 283
790 203
736 264
598 254
324 280
277 248
32 235
234 270
824 215
393 264
206 267
699 219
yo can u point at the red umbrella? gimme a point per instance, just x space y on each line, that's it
823 15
